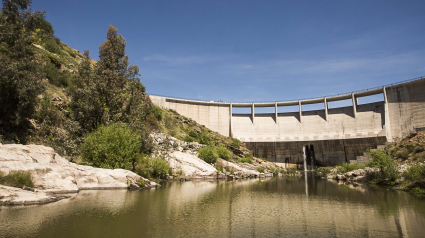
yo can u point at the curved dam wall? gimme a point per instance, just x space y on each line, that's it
337 134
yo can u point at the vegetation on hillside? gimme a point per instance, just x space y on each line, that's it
53 95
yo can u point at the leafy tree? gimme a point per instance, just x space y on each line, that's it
112 91
119 86
21 70
86 102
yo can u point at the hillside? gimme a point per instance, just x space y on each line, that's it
93 112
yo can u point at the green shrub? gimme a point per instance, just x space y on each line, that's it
208 154
291 170
236 143
379 159
51 45
57 78
160 168
113 146
346 167
261 169
157 112
17 178
415 173
151 168
223 153
189 139
246 159
193 134
141 183
71 52
402 154
388 173
205 139
219 168
274 171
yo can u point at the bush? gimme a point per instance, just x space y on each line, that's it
205 139
51 45
223 153
57 78
141 183
17 178
379 159
236 143
274 171
346 167
208 154
189 139
388 173
160 168
113 146
157 112
246 159
193 134
402 154
261 169
290 171
415 173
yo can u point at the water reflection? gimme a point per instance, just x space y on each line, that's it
292 207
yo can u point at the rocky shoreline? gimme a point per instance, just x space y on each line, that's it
183 159
55 178
54 175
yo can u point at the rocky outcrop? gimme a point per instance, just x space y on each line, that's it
54 174
190 164
358 175
237 170
183 159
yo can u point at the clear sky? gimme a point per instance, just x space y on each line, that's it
252 51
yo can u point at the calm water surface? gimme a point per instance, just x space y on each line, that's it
278 207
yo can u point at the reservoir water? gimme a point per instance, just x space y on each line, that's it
277 207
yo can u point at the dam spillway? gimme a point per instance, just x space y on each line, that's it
337 134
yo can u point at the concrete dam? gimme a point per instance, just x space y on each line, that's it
336 135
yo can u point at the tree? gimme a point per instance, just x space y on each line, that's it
118 81
86 102
21 70
112 92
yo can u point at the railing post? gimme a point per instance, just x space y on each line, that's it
230 120
275 111
301 113
252 112
326 109
354 104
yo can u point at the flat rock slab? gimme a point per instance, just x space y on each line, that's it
17 196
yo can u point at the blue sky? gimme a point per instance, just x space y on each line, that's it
253 51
